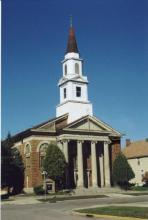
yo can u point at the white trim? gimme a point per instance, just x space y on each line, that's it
82 137
73 101
39 145
25 147
105 125
87 131
98 122
33 137
17 144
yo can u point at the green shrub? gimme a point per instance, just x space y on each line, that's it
122 171
38 190
139 188
5 196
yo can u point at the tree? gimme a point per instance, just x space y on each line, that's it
54 163
122 171
145 178
12 167
18 171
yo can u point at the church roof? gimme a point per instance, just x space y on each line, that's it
56 126
72 44
35 130
136 149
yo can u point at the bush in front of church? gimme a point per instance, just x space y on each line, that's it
55 165
122 172
38 190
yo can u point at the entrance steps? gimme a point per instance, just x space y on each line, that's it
96 190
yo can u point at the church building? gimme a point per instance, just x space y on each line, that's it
89 144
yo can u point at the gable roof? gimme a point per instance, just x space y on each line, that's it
91 124
136 149
41 128
54 126
45 126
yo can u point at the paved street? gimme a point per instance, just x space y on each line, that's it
63 210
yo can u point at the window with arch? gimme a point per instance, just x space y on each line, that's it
76 68
27 154
42 153
65 69
65 95
27 149
78 91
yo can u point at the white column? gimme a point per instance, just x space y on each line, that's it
106 164
94 164
88 174
27 182
60 145
80 182
75 177
65 149
101 170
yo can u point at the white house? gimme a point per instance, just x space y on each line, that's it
137 155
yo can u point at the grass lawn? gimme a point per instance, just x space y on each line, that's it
139 188
136 194
124 211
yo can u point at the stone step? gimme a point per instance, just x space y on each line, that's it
96 191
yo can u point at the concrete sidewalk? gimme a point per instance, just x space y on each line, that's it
25 199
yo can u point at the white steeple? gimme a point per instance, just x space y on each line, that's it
73 85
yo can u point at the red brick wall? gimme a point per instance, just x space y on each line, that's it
115 149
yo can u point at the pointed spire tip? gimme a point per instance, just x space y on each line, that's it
70 20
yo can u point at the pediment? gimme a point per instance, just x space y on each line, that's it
87 124
52 125
91 124
47 127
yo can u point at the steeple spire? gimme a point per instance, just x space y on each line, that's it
70 20
72 44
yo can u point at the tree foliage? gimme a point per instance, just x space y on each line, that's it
145 178
54 163
12 167
122 171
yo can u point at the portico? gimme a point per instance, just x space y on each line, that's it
88 160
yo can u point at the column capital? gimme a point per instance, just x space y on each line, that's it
80 141
94 142
107 142
65 140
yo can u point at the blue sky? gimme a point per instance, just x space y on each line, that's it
112 38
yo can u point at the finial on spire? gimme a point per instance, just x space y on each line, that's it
72 44
70 20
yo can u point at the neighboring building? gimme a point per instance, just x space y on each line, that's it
137 155
89 144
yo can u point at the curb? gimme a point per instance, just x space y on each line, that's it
106 216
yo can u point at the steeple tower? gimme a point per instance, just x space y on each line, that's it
73 85
72 44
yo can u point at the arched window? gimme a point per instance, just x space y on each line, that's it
27 155
27 149
42 153
76 68
65 69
